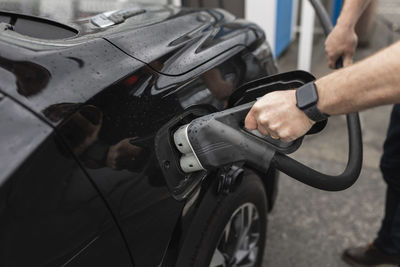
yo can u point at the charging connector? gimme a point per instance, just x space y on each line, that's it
189 161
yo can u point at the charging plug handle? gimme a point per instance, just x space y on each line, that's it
220 139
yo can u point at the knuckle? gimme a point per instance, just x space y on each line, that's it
274 127
290 132
284 137
254 110
349 51
263 119
256 106
286 134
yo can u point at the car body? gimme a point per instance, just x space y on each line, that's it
81 101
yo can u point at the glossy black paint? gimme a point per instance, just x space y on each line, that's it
50 212
22 145
188 38
56 75
122 161
102 96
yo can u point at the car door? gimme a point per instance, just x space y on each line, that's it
51 214
116 128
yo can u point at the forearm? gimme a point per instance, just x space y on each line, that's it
351 12
371 82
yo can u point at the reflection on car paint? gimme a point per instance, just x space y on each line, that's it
31 78
48 208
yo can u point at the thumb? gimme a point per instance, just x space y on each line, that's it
250 122
347 60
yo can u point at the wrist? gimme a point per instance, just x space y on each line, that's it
322 104
346 24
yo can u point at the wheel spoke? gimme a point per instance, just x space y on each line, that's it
238 244
218 260
227 231
246 223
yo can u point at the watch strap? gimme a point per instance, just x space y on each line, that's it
314 114
307 100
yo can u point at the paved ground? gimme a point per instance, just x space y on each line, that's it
310 227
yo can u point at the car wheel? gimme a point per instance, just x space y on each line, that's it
236 229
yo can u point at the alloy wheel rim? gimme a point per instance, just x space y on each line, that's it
238 245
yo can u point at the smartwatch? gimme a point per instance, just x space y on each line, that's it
307 100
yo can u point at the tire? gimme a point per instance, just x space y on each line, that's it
214 245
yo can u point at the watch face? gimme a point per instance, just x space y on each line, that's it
306 95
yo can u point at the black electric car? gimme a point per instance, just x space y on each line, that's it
85 86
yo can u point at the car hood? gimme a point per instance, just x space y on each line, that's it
73 11
190 37
172 41
159 36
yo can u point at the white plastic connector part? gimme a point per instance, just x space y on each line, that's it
181 140
189 161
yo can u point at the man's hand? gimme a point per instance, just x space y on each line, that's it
277 115
342 41
122 154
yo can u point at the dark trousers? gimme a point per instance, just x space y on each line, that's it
389 235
